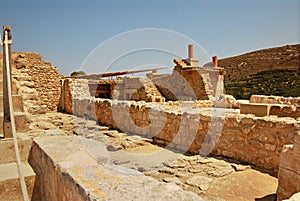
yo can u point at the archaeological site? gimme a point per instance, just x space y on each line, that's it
117 136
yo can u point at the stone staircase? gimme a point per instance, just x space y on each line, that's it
9 177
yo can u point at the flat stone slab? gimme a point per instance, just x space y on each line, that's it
69 172
257 109
10 182
10 171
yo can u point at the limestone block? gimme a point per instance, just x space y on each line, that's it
288 184
7 149
259 110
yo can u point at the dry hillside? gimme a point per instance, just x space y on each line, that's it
273 71
278 58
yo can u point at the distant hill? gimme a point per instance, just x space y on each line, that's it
273 71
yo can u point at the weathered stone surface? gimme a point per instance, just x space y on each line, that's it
174 180
220 172
200 182
45 125
167 170
238 167
54 132
113 147
67 172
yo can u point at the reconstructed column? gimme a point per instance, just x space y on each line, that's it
215 61
191 51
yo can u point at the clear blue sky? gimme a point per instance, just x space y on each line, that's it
65 32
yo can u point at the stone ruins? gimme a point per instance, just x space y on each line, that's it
186 111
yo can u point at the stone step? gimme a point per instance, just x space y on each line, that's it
10 182
17 103
7 149
13 87
20 120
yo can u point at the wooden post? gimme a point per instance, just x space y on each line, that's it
7 129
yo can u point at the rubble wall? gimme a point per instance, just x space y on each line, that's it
38 76
285 111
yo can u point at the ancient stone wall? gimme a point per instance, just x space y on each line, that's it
102 88
275 100
188 84
261 105
285 111
72 89
255 140
38 76
137 88
289 170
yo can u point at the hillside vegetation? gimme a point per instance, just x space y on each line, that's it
273 71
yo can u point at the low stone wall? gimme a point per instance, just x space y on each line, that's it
255 140
275 100
289 170
285 111
261 105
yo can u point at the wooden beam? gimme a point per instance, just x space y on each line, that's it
111 74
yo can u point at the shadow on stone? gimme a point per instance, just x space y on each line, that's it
271 197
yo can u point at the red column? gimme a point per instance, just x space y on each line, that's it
191 51
215 61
